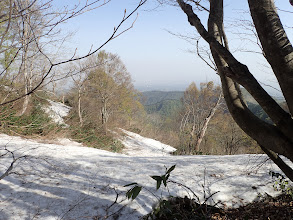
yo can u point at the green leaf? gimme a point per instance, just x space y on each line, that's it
159 182
164 180
136 190
171 169
157 178
167 176
129 193
130 184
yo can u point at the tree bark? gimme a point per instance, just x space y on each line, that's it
235 70
279 162
275 43
277 138
24 69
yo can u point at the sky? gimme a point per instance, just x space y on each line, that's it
156 59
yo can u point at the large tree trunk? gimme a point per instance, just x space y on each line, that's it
280 163
25 69
275 43
277 138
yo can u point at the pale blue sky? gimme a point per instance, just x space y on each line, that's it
155 58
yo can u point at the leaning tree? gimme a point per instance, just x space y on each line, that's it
277 138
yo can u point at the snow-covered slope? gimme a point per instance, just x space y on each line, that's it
57 110
136 145
75 182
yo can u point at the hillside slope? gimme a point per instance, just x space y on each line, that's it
70 181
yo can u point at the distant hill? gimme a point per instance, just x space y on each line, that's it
154 97
249 98
162 102
166 103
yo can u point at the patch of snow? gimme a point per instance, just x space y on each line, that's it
76 182
68 142
56 111
136 145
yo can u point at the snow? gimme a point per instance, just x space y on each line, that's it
70 181
135 145
57 111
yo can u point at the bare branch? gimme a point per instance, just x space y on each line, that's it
114 35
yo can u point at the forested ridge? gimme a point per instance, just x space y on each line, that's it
167 102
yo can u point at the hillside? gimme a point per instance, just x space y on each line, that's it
154 97
162 102
62 179
166 103
70 181
250 99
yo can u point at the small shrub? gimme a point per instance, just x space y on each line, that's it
172 208
34 122
282 184
92 136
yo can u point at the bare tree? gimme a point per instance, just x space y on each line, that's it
80 79
21 11
229 137
26 29
276 138
199 108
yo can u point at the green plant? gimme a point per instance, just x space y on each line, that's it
164 178
281 183
34 122
116 145
93 136
173 207
133 191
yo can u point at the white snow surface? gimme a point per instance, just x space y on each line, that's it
57 111
70 181
136 145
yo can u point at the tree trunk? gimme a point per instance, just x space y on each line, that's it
105 116
79 107
279 162
205 125
25 42
26 82
277 138
275 43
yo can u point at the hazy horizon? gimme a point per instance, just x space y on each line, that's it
159 60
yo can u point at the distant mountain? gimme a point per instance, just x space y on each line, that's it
154 97
162 102
249 98
166 103
164 108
